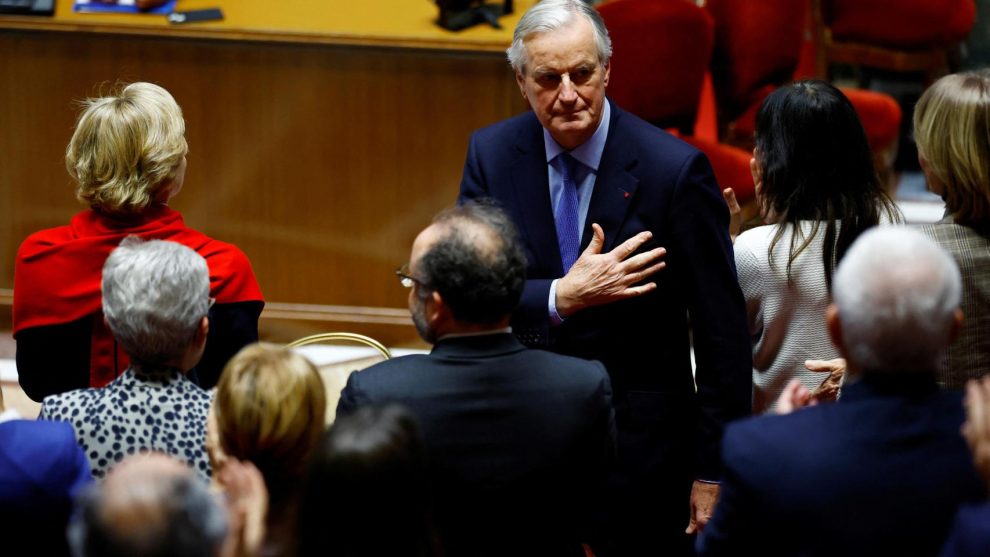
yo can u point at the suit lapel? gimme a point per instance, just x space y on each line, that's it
615 187
532 190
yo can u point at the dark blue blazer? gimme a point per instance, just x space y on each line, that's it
519 440
970 535
41 470
880 472
647 180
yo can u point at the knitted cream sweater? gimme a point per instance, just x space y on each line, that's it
786 321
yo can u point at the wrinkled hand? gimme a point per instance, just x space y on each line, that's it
795 396
976 430
598 278
828 391
735 213
703 499
247 508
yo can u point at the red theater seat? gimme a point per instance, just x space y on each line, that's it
900 24
661 51
895 35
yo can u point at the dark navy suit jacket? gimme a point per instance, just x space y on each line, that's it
520 441
647 180
970 536
880 472
41 470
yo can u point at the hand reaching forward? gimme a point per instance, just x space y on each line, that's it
828 391
794 397
598 278
247 508
735 213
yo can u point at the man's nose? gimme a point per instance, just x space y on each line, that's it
568 93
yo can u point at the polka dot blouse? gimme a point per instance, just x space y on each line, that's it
137 412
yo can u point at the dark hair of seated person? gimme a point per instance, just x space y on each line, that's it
367 489
816 165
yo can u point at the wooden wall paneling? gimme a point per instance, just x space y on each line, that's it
321 162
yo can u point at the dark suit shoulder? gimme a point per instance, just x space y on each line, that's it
571 366
400 368
970 535
506 129
764 448
631 128
39 432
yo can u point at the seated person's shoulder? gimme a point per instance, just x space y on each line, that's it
43 239
65 406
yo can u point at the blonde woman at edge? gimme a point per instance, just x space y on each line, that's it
952 129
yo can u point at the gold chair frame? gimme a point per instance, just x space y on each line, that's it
351 337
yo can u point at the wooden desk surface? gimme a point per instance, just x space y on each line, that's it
391 23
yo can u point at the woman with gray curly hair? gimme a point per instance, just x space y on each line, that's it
128 158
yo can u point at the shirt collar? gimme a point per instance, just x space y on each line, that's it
500 331
588 153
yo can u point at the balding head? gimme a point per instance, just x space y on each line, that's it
897 296
470 255
149 505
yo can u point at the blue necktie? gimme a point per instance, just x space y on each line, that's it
566 216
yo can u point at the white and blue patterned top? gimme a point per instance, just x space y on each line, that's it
137 412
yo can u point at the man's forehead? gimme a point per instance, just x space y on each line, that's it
573 42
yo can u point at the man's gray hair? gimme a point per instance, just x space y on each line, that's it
155 295
550 15
187 521
897 293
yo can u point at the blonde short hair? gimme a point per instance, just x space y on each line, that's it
270 406
952 130
126 148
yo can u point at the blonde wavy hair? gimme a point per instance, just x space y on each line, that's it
126 148
270 406
952 130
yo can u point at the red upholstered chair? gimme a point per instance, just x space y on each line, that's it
660 53
896 35
758 46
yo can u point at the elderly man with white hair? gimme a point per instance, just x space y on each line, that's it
629 263
883 470
156 296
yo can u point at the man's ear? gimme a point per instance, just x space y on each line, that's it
608 71
835 328
957 323
437 310
203 330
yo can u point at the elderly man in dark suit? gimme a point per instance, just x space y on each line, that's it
881 471
520 441
577 173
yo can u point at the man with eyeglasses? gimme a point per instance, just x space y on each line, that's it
520 441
